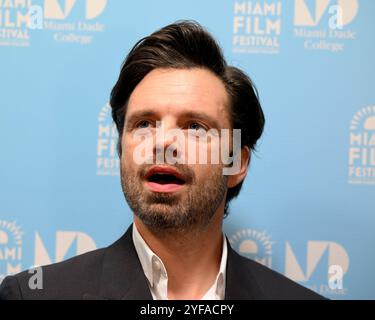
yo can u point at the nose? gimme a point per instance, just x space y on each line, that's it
167 131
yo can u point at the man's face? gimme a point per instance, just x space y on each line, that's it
177 99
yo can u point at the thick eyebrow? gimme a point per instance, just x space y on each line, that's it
138 115
201 116
149 113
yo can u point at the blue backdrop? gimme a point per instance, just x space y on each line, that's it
307 206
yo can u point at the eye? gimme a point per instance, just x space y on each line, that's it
143 124
196 126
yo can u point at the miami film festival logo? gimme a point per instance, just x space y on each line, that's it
325 262
256 26
107 161
69 21
10 248
14 23
254 245
362 147
324 24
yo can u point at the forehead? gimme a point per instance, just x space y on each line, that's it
174 91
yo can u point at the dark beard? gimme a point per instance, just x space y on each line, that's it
163 212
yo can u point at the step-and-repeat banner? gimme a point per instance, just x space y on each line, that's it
307 207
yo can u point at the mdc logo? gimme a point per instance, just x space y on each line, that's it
67 243
59 10
309 13
336 254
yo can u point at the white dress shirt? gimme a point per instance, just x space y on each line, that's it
157 276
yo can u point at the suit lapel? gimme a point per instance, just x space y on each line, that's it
122 274
240 282
123 278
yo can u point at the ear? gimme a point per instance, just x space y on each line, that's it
237 178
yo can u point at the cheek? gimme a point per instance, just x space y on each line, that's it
207 172
126 153
138 150
128 144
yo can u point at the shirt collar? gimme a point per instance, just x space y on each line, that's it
149 260
153 266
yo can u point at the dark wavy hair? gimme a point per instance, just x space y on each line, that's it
185 45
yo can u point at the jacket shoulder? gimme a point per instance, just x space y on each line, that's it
275 286
69 279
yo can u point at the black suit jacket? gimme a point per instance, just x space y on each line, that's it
115 272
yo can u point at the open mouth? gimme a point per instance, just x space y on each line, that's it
164 179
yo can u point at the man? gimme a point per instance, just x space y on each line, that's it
175 78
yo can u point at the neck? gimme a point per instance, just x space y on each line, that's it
192 258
